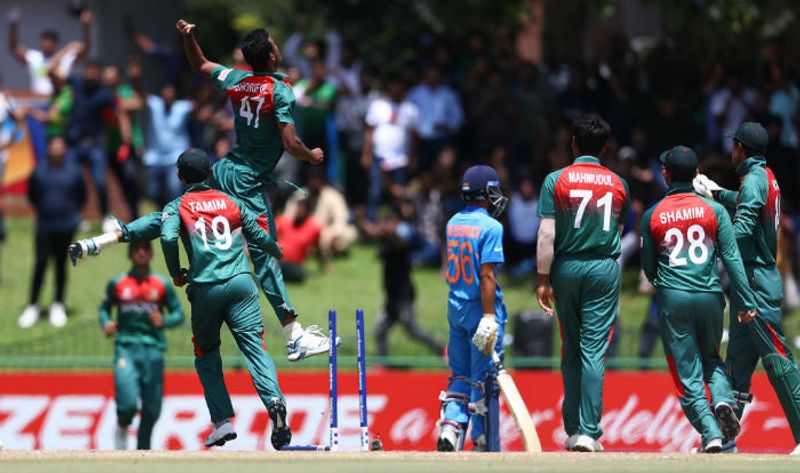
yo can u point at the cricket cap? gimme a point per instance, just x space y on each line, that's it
752 135
679 158
194 165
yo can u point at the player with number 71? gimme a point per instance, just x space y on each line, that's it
583 207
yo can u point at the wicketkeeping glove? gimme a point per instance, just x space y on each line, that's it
486 335
705 186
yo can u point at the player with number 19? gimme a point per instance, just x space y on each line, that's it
583 207
213 227
682 235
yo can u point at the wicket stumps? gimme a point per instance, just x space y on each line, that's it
333 389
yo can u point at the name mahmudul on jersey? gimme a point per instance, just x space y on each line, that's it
590 178
681 215
208 205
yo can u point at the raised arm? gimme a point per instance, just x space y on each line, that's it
194 54
86 29
17 50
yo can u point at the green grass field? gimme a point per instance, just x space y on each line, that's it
387 462
354 282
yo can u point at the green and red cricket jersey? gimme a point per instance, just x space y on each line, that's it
682 236
757 211
213 228
136 298
260 102
588 202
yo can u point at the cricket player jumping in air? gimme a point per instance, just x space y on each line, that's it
475 309
264 103
682 235
139 295
755 226
582 207
213 228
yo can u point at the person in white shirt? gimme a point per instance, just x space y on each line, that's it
523 222
440 115
730 106
38 61
389 142
167 136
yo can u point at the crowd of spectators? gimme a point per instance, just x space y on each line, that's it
397 141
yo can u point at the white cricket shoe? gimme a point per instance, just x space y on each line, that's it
598 447
713 446
796 450
29 316
569 444
58 315
221 434
120 437
309 343
584 443
449 439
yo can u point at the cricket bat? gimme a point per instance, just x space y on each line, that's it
516 405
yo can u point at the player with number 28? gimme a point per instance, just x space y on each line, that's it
682 236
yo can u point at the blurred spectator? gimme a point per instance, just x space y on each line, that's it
440 114
173 61
729 106
91 101
784 103
352 105
123 160
57 191
298 237
395 234
389 142
38 61
429 221
314 97
328 208
10 132
523 222
167 137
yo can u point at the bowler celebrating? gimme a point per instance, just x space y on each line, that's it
682 235
582 207
264 104
475 309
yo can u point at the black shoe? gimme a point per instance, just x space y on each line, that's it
727 420
281 433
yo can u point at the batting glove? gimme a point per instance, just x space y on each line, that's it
81 250
705 186
486 335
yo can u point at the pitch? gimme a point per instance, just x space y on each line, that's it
386 462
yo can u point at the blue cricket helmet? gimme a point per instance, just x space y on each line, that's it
482 182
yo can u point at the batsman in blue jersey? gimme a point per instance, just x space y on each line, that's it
475 308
